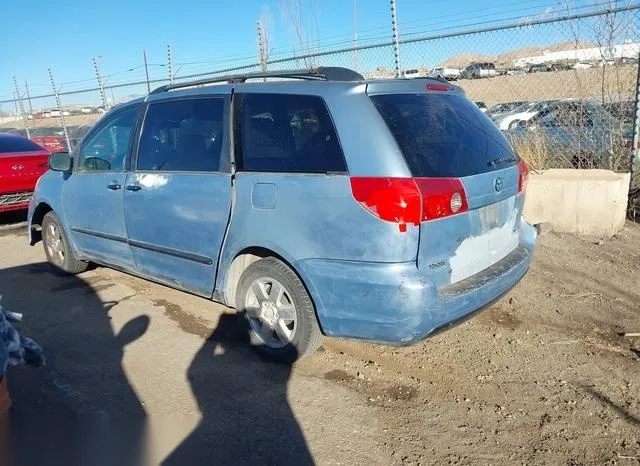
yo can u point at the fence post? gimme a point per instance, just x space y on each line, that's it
64 124
635 150
26 88
262 58
355 37
169 53
100 86
396 37
25 120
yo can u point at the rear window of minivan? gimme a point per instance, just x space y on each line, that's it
444 135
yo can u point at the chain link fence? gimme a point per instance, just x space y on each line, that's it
562 87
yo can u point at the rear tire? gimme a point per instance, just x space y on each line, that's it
56 247
276 311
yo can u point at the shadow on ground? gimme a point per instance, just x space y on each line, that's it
81 409
246 418
621 411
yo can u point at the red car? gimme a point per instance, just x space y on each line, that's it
21 163
51 139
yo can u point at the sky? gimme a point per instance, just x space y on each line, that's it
65 35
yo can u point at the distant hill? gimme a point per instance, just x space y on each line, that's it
506 59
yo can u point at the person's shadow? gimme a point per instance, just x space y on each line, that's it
80 408
246 418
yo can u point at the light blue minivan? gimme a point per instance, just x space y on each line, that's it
315 203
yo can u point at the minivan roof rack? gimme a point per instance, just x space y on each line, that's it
322 73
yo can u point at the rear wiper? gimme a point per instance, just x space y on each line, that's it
495 162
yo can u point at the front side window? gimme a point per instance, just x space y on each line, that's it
108 147
182 135
286 133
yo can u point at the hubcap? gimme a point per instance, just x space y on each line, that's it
271 312
55 246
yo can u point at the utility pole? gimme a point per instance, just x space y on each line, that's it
262 58
15 102
25 120
26 87
100 86
64 124
355 36
634 163
146 70
396 38
169 57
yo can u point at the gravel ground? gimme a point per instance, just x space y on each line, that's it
542 377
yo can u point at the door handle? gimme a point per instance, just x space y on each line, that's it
133 187
114 186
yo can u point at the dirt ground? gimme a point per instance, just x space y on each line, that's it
54 122
542 377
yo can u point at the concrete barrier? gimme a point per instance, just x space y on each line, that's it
589 202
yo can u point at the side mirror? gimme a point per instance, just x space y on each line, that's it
60 162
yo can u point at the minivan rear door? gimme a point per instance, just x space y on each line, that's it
443 135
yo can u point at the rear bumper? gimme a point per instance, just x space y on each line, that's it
396 303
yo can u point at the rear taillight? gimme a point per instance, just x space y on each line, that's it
523 177
410 200
441 197
395 200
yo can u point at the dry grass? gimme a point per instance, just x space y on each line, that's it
54 122
619 82
535 151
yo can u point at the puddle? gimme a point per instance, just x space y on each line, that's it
338 375
185 321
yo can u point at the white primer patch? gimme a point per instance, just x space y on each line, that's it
479 252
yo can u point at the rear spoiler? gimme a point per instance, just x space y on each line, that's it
411 86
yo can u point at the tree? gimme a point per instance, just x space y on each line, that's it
302 19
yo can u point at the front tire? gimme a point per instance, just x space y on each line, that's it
276 310
56 247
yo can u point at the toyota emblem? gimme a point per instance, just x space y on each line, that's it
17 166
499 184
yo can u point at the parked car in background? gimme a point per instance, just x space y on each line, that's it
581 133
382 210
51 139
21 163
479 70
19 132
504 107
623 110
559 67
413 73
450 74
76 133
539 68
515 72
583 65
523 113
481 105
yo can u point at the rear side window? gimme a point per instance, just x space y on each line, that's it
286 133
17 144
444 135
182 135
